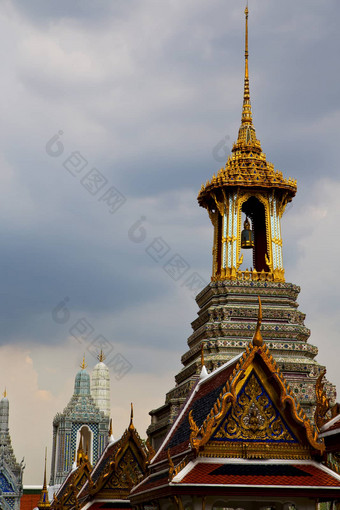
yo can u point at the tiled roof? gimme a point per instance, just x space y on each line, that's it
332 426
112 505
200 402
260 474
107 455
68 480
29 501
152 482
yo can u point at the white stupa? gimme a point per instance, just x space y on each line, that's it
100 385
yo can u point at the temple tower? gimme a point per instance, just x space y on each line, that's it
100 385
81 418
249 194
11 472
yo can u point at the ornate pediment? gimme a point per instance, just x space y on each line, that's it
67 497
253 417
124 468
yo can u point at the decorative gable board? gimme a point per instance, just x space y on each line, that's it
254 417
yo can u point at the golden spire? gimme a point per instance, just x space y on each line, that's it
257 338
44 501
131 426
246 112
110 428
101 356
5 393
84 364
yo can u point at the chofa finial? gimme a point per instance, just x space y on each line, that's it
257 338
131 426
202 355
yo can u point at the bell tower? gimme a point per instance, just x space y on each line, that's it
245 202
247 184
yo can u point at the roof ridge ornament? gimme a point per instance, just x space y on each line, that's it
202 355
204 371
131 426
257 338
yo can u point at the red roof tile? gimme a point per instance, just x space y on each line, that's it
107 506
29 501
283 474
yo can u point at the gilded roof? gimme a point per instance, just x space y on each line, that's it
247 167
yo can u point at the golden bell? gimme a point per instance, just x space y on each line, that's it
247 236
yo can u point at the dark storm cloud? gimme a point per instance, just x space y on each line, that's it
145 91
82 11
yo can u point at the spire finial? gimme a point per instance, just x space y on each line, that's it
257 338
111 438
202 355
101 356
246 112
80 452
131 426
45 486
5 393
84 364
44 501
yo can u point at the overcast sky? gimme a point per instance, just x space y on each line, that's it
113 113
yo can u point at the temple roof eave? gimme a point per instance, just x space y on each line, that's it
206 198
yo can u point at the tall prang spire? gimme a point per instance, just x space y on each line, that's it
80 416
100 385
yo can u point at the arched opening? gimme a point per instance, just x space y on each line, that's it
255 211
86 434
